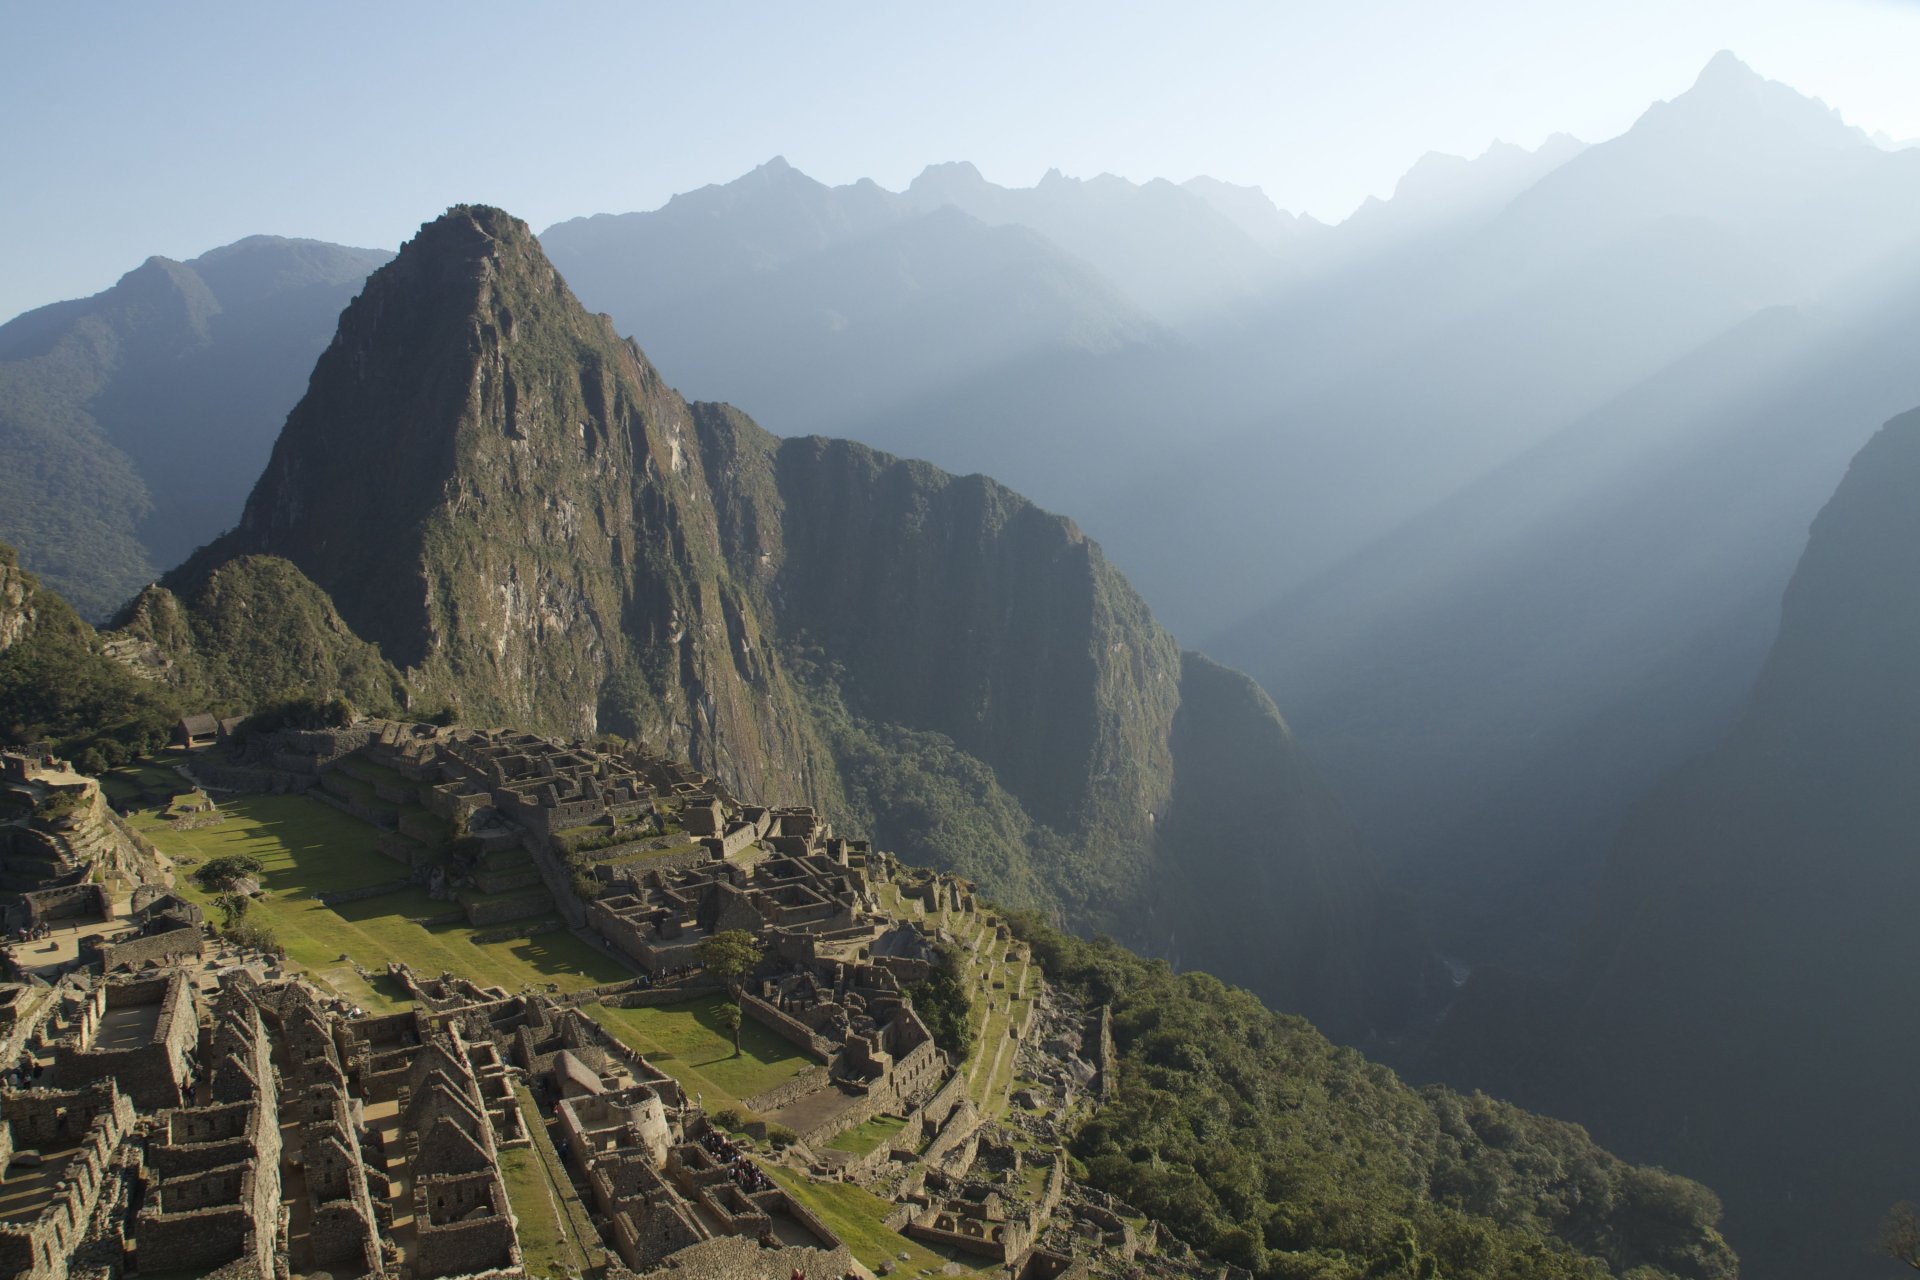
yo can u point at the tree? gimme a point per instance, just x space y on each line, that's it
220 875
1900 1235
729 1018
233 909
945 1002
730 955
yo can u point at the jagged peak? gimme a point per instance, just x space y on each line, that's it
461 222
1729 97
1725 70
948 177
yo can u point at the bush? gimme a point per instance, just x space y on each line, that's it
781 1136
735 1118
297 713
251 932
945 1003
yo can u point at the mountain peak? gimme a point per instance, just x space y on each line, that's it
1729 100
948 180
1725 69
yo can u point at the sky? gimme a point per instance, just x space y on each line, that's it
173 128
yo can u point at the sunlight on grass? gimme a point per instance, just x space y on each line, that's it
307 848
686 1041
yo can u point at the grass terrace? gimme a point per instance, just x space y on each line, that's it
307 848
685 1041
858 1217
556 1235
144 784
643 855
863 1138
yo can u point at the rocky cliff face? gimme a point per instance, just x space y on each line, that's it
504 496
16 599
254 631
507 498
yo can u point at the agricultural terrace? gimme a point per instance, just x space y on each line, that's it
858 1217
1006 985
307 848
687 1042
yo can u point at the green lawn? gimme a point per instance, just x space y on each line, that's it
151 778
550 1215
685 1041
864 1137
644 855
360 767
307 848
858 1217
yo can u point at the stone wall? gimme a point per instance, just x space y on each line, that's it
462 1226
1104 1057
790 1091
96 1120
788 1028
737 1258
133 953
150 1074
652 997
67 902
211 1217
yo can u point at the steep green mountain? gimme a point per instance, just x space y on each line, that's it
58 684
254 631
132 422
1250 1135
1740 1007
506 498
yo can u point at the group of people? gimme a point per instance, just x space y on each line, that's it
746 1174
23 1074
670 975
33 933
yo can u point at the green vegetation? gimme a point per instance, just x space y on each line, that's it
1250 1135
305 848
256 633
945 1003
219 875
689 1042
553 1224
730 955
57 684
863 1138
858 1217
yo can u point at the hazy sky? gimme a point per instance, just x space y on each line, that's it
133 129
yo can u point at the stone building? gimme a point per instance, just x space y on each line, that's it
141 1032
75 1135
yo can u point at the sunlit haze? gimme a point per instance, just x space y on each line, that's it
172 129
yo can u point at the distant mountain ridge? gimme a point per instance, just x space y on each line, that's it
131 421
